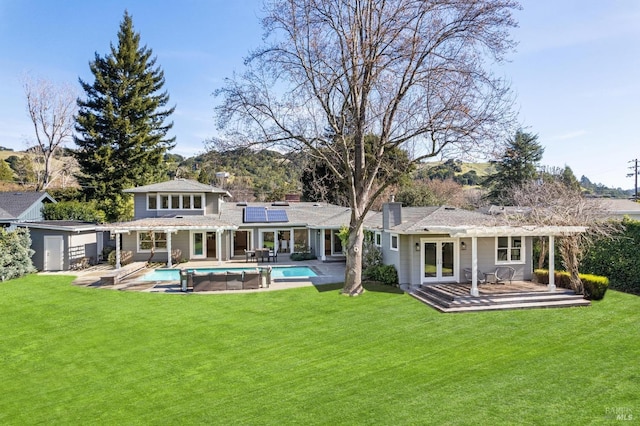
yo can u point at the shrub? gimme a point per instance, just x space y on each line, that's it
298 256
594 286
371 254
386 274
15 253
126 256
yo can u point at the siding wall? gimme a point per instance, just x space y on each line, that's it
179 240
408 261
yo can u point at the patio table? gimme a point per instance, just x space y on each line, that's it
262 254
490 277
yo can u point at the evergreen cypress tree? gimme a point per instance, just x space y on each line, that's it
122 134
516 167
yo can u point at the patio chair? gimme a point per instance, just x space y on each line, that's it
251 280
273 254
504 273
468 274
249 254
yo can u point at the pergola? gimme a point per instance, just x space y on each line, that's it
474 232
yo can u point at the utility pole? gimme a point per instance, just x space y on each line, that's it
635 175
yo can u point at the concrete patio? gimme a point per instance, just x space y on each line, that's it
327 273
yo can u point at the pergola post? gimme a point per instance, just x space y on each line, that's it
323 257
474 267
118 251
168 234
219 245
552 273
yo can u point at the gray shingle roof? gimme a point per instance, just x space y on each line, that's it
417 219
177 185
299 214
14 204
176 222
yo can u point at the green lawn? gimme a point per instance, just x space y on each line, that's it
83 356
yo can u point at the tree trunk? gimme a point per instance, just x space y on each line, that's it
569 249
543 252
353 270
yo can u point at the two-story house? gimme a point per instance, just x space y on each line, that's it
190 220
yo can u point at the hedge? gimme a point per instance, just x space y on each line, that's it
594 286
617 259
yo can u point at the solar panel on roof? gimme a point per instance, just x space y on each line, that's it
277 216
255 214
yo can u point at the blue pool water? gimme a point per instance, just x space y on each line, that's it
276 272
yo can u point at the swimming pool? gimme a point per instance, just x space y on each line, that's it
276 272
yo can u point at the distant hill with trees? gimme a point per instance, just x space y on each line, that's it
266 175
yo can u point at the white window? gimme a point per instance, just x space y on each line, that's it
152 201
394 242
378 239
509 250
197 202
174 202
149 240
186 202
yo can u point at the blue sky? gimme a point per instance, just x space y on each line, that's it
576 71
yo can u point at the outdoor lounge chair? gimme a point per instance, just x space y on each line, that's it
504 273
234 280
251 280
468 275
218 281
200 282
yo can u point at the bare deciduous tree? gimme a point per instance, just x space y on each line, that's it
51 109
553 203
412 73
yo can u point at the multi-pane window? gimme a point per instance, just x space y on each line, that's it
175 201
509 250
149 240
197 202
394 242
152 201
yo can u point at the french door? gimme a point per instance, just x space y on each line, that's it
439 260
198 245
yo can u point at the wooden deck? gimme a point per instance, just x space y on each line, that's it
515 295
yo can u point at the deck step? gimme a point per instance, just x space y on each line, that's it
455 298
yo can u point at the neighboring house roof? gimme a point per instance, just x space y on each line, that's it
620 207
178 185
15 205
